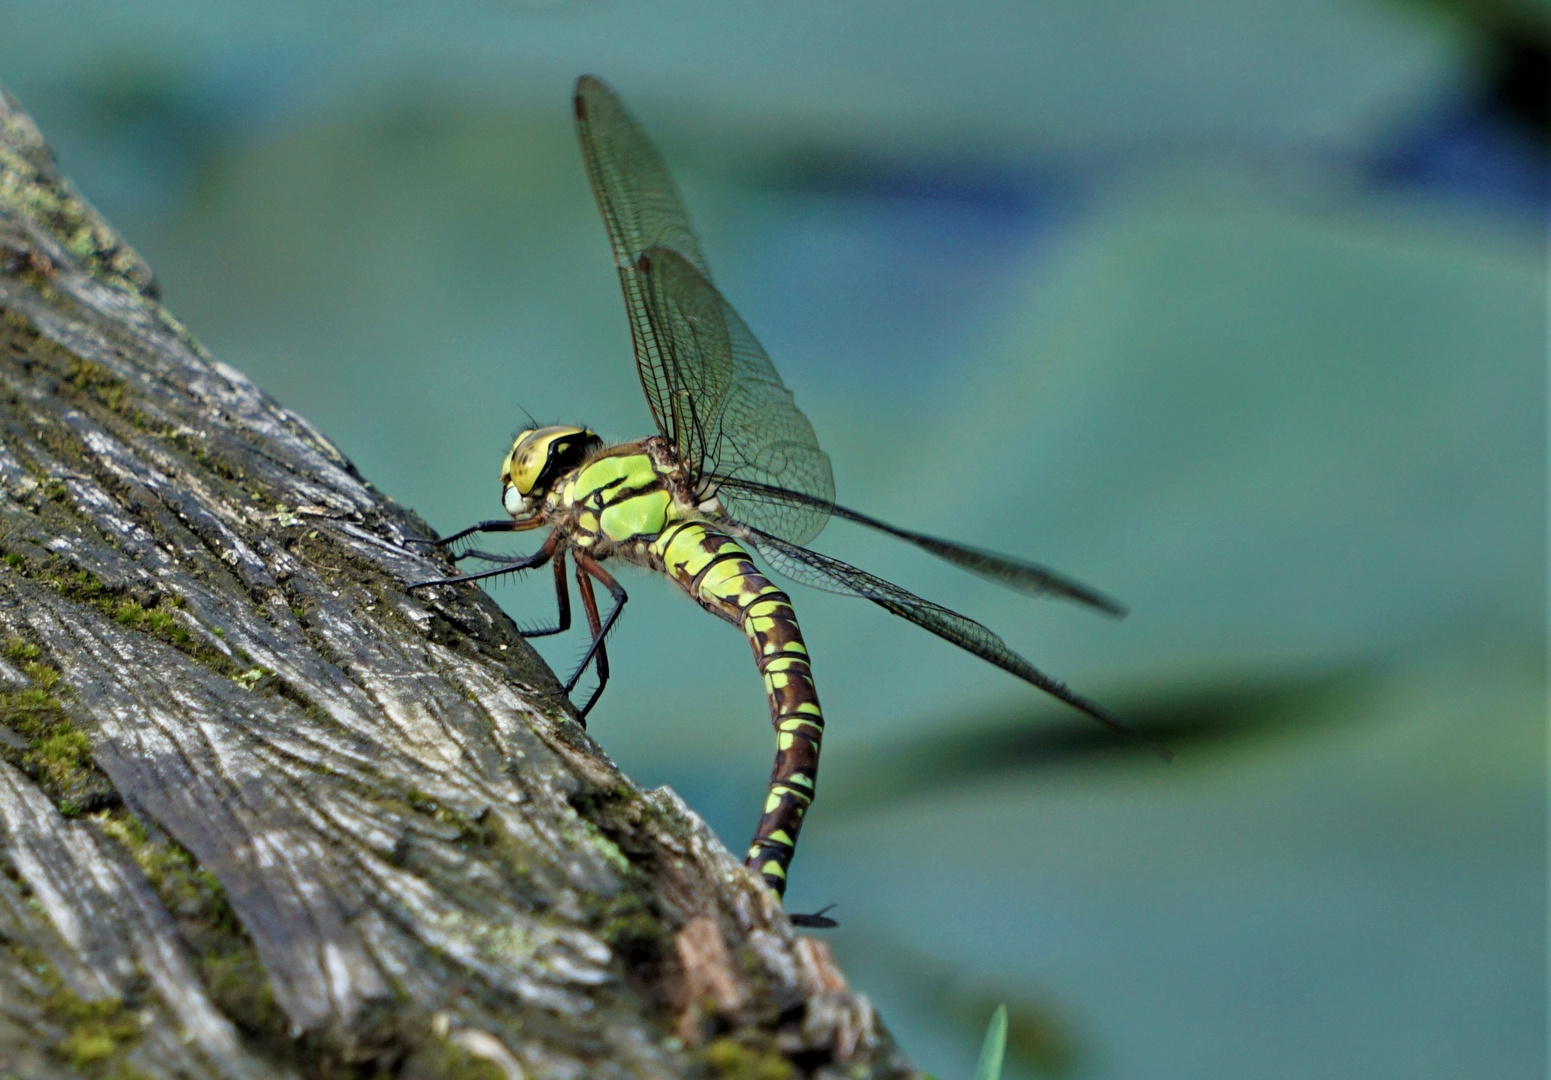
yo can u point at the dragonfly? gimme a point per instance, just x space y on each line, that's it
735 470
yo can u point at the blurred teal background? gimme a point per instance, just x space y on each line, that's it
1237 311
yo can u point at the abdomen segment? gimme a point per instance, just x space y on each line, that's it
721 576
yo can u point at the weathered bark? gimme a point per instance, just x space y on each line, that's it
262 812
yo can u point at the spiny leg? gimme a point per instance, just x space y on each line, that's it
562 601
526 562
562 593
496 526
587 568
482 556
590 606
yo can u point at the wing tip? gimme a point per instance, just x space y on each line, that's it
585 86
1066 588
1113 608
1095 711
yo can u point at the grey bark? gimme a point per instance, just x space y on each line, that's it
265 814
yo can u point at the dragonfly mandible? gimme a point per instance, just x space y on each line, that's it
734 470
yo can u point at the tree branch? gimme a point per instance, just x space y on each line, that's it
262 812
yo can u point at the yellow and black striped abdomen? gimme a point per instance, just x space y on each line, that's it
716 570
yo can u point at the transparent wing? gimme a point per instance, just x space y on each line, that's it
832 575
742 435
641 209
1016 574
712 389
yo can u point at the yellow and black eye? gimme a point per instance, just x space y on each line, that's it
540 456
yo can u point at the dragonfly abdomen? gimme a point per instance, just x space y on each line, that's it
721 576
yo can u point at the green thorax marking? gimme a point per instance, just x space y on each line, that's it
605 477
628 495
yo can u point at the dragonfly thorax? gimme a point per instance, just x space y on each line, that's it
540 456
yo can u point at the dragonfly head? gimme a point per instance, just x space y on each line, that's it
538 457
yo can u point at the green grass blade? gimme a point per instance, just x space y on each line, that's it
995 1046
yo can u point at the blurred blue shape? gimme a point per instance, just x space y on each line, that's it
1470 153
893 265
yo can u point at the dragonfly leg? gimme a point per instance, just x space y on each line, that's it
482 556
562 600
524 562
498 525
587 568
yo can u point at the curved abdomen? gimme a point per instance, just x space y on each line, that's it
720 575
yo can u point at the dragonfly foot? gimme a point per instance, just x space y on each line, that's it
581 714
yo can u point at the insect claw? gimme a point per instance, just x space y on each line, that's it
581 714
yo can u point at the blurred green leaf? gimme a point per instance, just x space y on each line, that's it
991 1051
963 752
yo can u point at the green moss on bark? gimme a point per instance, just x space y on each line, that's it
728 1058
56 755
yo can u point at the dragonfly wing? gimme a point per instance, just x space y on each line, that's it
749 436
1016 574
712 389
832 575
641 209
